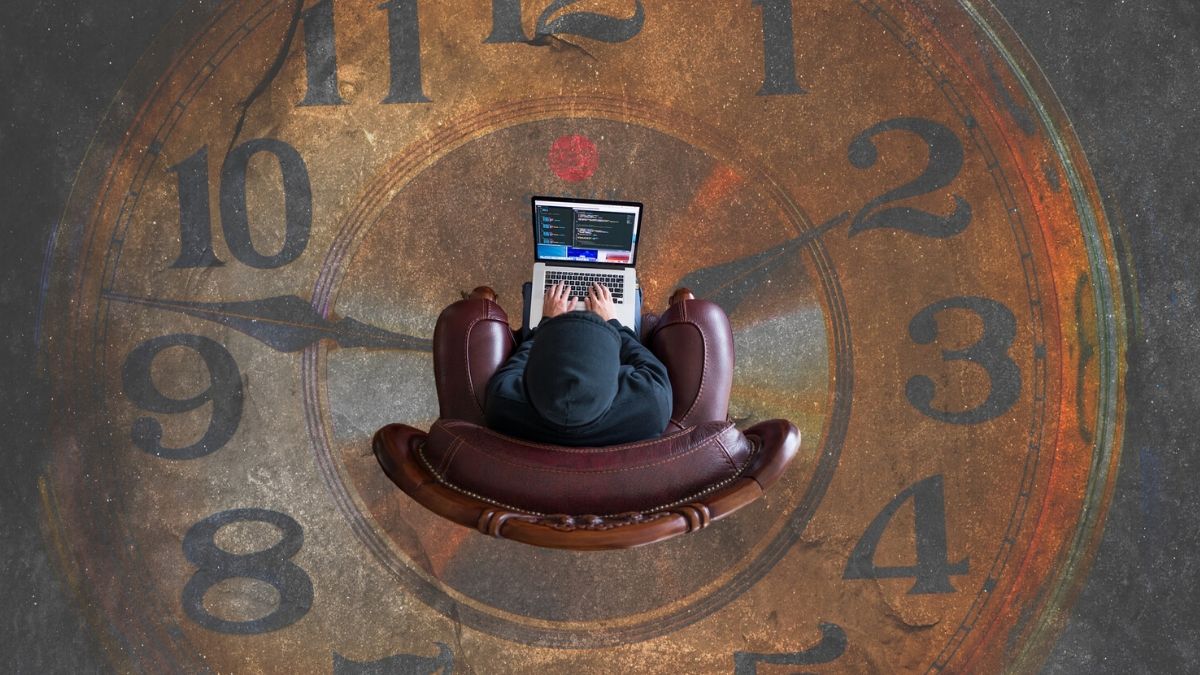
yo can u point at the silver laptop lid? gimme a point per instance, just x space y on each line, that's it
569 230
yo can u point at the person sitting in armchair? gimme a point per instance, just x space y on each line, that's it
581 378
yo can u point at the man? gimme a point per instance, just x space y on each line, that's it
556 388
581 378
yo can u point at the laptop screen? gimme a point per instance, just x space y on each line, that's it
585 231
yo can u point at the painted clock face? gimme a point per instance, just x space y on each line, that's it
882 194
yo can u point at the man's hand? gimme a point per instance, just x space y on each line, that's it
599 300
556 301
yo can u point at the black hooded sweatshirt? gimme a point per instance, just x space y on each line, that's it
579 380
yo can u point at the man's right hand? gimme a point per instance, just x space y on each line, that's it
557 301
599 300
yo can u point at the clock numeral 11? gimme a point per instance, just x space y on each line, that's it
195 217
404 43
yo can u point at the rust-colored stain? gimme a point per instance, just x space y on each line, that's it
882 194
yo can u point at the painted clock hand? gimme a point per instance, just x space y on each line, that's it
285 323
729 283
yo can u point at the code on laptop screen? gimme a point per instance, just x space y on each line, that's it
584 232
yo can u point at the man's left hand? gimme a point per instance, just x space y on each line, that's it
557 301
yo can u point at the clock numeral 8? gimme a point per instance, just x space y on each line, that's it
990 353
224 391
195 219
272 565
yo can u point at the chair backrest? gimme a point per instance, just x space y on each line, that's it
548 479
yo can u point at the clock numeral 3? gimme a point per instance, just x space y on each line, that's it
272 565
195 219
944 163
933 568
990 353
224 391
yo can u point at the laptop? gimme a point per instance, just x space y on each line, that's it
578 241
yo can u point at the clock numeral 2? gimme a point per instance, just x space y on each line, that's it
933 568
944 163
272 565
195 218
990 352
224 391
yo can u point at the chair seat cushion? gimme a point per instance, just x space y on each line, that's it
547 479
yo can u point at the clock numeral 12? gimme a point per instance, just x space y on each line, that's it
404 44
195 218
933 568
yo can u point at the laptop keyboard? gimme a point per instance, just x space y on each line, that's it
580 282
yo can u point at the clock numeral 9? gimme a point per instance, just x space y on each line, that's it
272 565
195 219
933 568
944 163
990 352
224 391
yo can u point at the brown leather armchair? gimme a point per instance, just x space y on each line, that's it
702 468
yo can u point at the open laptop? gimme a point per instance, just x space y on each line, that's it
578 241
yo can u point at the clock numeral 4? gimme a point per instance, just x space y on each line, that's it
195 218
990 352
272 565
224 391
933 568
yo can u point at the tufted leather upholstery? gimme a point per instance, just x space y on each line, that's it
538 478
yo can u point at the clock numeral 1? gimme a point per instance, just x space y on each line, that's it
933 568
990 352
272 565
224 391
779 51
195 218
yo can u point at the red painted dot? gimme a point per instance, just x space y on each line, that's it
573 158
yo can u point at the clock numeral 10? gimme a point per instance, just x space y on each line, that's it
933 568
404 43
195 218
272 565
